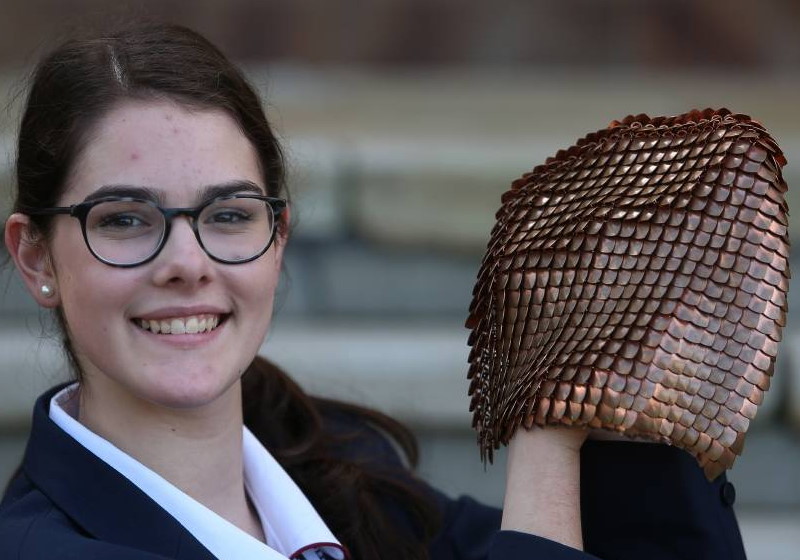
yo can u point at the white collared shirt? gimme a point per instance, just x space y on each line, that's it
292 526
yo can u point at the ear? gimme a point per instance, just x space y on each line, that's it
32 259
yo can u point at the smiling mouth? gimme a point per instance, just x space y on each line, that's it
193 324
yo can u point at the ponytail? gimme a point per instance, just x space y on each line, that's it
372 503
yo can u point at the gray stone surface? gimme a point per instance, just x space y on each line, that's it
791 354
768 473
12 446
413 370
447 143
30 363
373 282
14 298
770 535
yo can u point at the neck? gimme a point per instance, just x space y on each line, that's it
198 450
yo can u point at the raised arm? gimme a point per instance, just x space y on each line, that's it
543 495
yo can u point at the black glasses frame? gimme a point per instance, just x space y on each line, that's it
81 211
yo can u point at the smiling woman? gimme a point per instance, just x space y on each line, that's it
104 306
163 285
150 216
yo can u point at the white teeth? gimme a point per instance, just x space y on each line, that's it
192 326
177 326
184 325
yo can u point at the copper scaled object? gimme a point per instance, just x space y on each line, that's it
637 282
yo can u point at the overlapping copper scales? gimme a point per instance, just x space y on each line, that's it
637 282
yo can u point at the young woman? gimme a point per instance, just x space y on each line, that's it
150 216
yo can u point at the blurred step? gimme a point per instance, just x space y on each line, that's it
415 370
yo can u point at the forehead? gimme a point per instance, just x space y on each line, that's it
164 146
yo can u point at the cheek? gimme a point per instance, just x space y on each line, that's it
267 270
261 287
94 298
71 261
88 309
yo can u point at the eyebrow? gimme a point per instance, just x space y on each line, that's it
124 191
233 187
208 192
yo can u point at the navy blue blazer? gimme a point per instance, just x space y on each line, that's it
638 501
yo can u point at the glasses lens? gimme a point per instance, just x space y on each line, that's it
124 231
236 229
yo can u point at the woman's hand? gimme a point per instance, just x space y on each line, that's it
543 484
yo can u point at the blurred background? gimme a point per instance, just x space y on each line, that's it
404 121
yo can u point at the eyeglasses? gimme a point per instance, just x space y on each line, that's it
127 232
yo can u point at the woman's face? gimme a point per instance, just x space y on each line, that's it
178 155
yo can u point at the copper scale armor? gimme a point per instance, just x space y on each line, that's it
637 282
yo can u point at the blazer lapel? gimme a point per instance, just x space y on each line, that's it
96 497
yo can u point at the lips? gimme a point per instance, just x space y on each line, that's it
191 324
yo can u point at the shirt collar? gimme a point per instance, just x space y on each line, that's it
292 525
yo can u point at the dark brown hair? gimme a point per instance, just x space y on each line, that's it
71 90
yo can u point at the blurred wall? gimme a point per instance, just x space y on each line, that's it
731 35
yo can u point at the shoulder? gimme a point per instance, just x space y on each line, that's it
33 528
361 438
628 478
466 527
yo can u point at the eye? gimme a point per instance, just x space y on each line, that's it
121 221
228 216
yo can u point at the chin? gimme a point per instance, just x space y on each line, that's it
194 392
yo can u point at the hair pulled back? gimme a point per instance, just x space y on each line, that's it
71 90
77 84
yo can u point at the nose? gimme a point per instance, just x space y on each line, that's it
182 261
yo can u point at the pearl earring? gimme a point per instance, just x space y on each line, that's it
47 291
